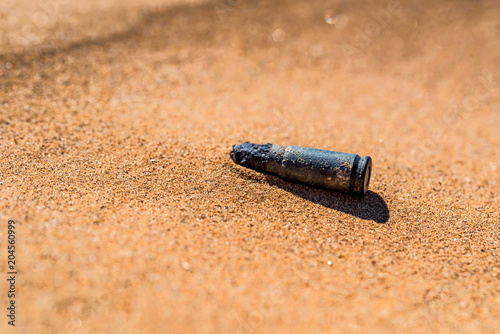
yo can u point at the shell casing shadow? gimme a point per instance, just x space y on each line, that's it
330 170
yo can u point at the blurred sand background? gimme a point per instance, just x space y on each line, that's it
117 118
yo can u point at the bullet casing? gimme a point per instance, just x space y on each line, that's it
326 169
320 168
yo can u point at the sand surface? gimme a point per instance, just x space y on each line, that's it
117 119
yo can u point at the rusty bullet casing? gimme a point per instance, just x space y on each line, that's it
320 168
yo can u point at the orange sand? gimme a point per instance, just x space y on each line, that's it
117 118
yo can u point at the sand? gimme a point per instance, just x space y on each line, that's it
117 119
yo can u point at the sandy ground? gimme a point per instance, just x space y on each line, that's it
117 119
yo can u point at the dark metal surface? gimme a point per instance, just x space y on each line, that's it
320 168
326 169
